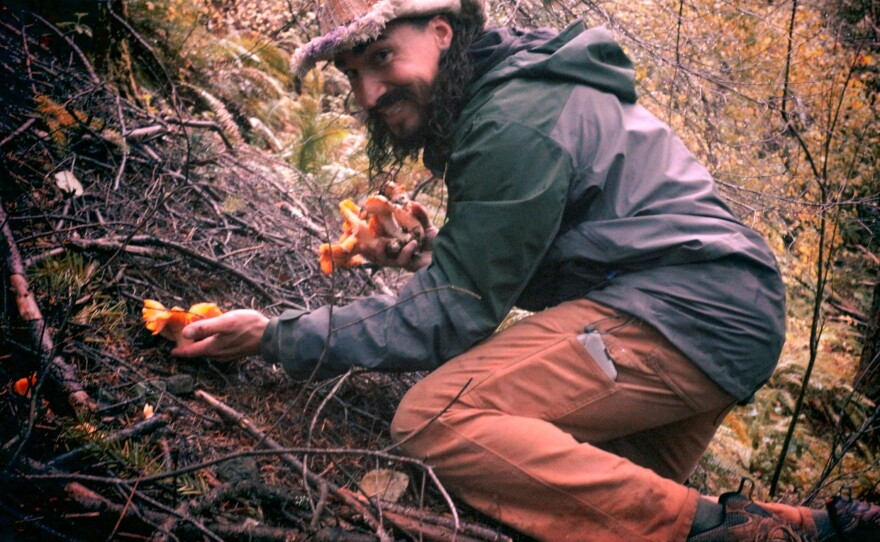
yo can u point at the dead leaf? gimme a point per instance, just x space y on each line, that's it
68 183
388 485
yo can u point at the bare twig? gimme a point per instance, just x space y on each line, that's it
82 57
417 526
425 516
248 426
208 125
63 374
123 132
91 500
141 428
135 246
346 496
27 124
324 490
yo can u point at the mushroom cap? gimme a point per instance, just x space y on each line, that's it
386 215
169 323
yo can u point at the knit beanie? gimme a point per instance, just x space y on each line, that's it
347 23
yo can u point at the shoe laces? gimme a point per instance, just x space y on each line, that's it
848 515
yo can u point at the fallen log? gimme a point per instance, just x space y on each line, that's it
58 370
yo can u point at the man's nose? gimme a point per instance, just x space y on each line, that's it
368 91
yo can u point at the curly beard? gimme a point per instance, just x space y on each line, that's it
447 99
406 144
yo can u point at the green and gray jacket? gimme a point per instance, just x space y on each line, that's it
561 187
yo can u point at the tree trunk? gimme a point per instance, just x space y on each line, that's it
868 377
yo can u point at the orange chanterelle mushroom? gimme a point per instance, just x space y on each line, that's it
169 323
23 386
385 214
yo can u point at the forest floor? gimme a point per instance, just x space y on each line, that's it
122 183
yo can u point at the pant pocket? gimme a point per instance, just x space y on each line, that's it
546 384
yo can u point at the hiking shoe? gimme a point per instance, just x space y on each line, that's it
746 521
852 521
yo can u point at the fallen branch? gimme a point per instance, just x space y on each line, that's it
424 516
139 135
123 129
425 531
59 371
241 488
209 125
356 501
93 501
135 245
89 500
441 528
335 534
243 422
88 65
19 130
85 244
147 240
141 428
256 533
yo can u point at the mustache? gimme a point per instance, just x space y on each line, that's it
392 97
388 99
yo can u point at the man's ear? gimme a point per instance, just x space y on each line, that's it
441 29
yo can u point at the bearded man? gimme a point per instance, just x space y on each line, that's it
656 310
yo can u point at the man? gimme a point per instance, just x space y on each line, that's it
656 310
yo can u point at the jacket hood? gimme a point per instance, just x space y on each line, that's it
583 56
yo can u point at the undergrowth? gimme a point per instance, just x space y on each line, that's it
244 76
311 128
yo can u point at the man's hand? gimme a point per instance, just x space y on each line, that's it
230 336
414 255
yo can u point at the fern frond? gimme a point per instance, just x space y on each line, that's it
221 114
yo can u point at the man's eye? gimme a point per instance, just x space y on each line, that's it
382 56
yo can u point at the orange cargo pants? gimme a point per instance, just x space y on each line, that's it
544 440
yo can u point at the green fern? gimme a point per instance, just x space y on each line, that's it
319 131
258 52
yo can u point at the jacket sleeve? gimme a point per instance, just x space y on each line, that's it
507 190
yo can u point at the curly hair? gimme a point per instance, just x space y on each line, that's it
387 153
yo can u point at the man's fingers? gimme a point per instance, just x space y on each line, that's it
194 350
418 210
406 253
202 329
229 336
198 331
212 347
421 213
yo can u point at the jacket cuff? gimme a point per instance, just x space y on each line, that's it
270 344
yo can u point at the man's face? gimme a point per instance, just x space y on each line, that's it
392 77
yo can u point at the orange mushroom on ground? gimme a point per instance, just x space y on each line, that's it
386 215
169 323
23 386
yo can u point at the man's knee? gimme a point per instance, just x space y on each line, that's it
410 415
422 416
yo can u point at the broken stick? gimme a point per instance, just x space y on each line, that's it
59 371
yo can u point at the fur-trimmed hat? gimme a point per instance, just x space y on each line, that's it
347 23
